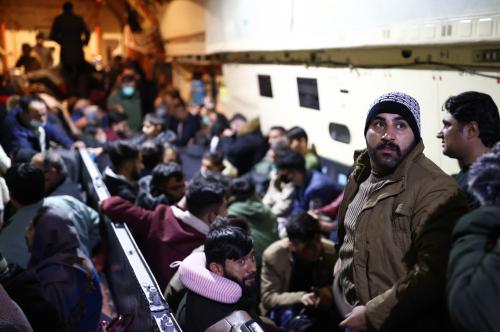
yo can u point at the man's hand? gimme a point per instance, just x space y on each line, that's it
310 300
324 296
356 320
78 144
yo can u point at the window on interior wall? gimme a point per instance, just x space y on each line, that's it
308 92
265 87
339 132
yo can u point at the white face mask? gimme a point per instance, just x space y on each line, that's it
35 124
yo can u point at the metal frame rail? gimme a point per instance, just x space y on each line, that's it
133 286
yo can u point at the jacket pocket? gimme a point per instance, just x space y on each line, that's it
401 227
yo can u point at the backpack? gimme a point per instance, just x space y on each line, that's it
236 321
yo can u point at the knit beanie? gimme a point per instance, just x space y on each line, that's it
397 103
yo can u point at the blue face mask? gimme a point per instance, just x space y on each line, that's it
205 120
128 90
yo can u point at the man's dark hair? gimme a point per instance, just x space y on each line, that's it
25 101
177 95
227 242
162 173
302 227
231 220
67 7
290 159
479 107
26 183
154 119
215 177
296 133
483 179
242 188
280 128
115 117
121 152
202 195
152 154
216 158
26 47
238 116
218 128
54 159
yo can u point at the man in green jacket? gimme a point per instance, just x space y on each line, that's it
395 226
245 203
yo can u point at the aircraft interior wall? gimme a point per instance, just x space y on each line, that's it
344 97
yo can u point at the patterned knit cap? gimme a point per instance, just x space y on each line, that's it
397 103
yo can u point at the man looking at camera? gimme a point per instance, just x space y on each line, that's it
395 226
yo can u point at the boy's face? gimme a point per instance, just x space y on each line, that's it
150 130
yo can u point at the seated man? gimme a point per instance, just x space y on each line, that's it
229 254
298 140
153 128
121 177
26 60
312 188
56 180
152 154
26 187
243 145
117 126
59 290
165 186
245 203
170 233
26 127
297 274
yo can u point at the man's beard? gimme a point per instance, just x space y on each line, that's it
246 289
387 163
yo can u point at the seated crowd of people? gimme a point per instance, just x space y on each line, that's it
262 234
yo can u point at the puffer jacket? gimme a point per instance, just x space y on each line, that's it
402 242
474 271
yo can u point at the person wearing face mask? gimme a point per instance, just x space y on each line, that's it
26 127
127 99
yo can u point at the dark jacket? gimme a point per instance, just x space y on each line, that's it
146 199
164 235
67 278
186 129
402 241
67 30
18 136
69 188
118 186
317 191
474 271
10 312
462 178
197 313
191 158
245 149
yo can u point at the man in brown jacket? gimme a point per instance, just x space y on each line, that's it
297 274
395 227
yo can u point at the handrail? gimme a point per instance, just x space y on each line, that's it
152 296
